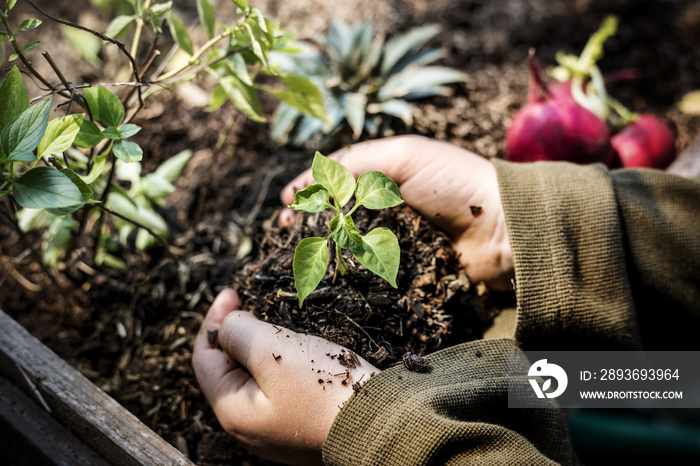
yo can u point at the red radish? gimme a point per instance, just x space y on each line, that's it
553 127
561 90
647 142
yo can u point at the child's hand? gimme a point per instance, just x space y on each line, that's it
275 390
454 188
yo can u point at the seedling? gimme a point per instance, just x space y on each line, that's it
378 250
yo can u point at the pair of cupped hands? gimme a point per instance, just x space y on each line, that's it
275 406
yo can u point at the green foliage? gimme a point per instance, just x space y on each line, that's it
365 82
378 250
52 167
25 129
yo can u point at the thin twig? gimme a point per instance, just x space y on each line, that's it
67 85
19 53
119 44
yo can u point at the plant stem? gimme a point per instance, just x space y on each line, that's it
196 56
139 30
352 211
18 51
342 265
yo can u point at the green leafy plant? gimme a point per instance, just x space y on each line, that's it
26 137
87 158
364 80
335 186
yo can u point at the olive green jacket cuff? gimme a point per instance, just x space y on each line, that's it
570 273
454 413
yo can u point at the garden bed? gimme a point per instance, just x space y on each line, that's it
130 331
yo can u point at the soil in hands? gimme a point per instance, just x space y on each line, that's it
434 306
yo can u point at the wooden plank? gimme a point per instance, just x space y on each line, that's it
31 436
93 416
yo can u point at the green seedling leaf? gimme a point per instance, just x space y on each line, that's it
309 265
346 234
89 135
180 34
9 4
258 50
57 239
160 9
243 97
302 94
375 190
157 188
85 192
381 254
144 215
126 131
112 133
313 198
25 131
13 97
172 168
119 25
127 151
207 17
104 106
21 156
262 23
46 188
31 46
29 24
259 19
337 179
98 167
60 134
242 4
219 97
33 219
240 69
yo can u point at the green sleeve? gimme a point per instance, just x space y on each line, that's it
660 219
601 258
570 274
454 413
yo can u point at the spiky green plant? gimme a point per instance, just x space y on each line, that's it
364 80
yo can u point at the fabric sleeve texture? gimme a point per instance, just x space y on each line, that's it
570 273
660 219
455 413
601 258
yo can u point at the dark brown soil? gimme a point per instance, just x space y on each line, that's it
131 331
433 306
